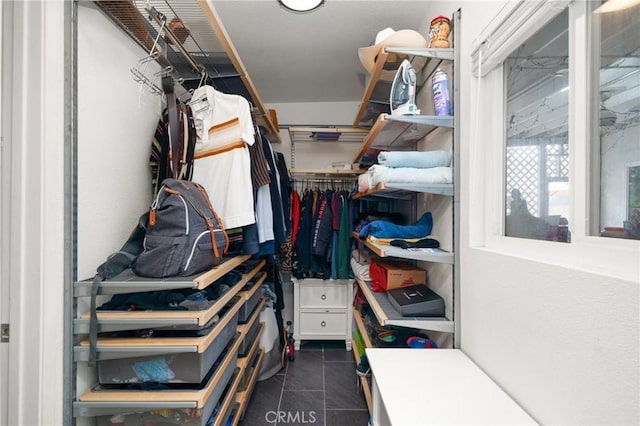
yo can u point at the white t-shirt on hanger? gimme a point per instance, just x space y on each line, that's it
222 161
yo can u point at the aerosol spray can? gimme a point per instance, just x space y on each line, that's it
440 86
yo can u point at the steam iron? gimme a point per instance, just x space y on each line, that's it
403 91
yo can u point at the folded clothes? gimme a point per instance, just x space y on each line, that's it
378 173
384 229
416 159
360 270
422 243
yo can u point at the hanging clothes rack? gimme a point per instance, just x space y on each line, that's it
193 41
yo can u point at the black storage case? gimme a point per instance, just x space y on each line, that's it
416 301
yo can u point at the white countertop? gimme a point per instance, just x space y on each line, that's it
439 386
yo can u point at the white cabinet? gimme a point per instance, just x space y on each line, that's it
436 387
322 310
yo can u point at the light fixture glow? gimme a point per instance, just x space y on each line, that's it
301 5
617 5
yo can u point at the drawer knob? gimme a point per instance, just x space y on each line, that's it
323 297
323 323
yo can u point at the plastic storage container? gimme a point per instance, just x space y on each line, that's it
187 367
249 338
175 416
247 309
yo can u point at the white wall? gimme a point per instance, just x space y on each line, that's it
561 340
116 121
315 113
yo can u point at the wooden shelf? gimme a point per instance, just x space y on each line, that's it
243 397
128 282
100 402
366 389
405 191
399 133
123 347
388 315
435 255
135 320
375 100
363 330
228 402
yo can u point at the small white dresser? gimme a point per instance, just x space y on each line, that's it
322 310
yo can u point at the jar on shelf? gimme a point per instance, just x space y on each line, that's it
439 32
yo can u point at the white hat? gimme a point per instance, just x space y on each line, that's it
389 38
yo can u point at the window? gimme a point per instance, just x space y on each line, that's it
537 162
574 184
537 142
615 32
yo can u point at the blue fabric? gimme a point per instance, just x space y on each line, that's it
153 370
384 229
415 159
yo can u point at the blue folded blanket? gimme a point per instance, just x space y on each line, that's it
416 159
384 229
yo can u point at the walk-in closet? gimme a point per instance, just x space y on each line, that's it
319 212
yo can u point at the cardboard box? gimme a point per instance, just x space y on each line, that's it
389 274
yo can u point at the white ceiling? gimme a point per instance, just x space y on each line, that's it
313 57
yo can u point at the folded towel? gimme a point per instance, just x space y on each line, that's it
363 257
360 270
378 173
415 159
363 183
384 229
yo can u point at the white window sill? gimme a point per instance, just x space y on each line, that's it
609 257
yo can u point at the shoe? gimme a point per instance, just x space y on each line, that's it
423 243
363 368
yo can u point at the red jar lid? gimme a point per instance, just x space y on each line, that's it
440 18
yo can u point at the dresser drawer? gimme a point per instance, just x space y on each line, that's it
329 296
323 323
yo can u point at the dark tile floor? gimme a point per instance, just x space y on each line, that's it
318 388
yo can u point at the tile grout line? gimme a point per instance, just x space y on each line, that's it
324 390
286 370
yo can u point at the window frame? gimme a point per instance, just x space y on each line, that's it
586 251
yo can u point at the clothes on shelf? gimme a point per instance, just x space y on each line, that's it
414 167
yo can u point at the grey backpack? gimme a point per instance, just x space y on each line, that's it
184 234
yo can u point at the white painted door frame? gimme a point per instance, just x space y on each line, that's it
32 214
5 183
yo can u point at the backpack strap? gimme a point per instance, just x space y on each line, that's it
191 143
116 263
208 214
